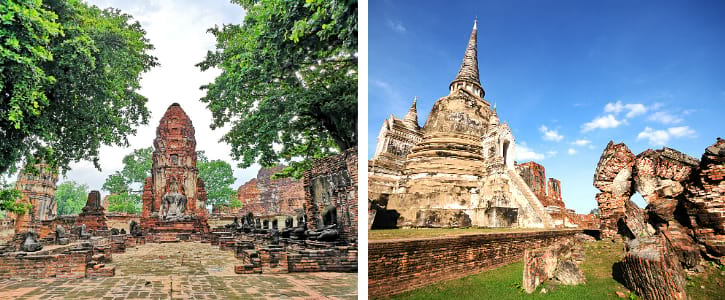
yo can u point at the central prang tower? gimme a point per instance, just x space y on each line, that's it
174 198
458 170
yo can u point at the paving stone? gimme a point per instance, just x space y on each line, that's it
193 280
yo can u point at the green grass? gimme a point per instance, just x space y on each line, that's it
505 282
387 234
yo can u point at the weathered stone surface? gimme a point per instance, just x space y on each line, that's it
37 186
93 214
31 244
706 200
264 196
568 273
174 197
460 162
331 198
651 269
553 261
683 218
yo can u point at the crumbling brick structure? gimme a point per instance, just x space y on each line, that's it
174 198
37 185
455 171
264 196
683 220
548 192
93 214
331 187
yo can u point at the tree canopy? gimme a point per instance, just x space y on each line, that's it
288 85
218 177
69 75
136 167
71 197
126 185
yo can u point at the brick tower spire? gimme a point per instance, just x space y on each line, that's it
412 115
467 78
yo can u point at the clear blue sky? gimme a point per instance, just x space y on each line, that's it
568 76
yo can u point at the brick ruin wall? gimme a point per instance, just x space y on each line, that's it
38 189
548 191
332 181
264 196
338 259
397 266
36 266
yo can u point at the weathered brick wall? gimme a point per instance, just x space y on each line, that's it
59 265
396 266
121 220
38 189
264 196
332 181
338 259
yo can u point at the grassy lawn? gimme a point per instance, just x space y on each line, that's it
505 282
388 234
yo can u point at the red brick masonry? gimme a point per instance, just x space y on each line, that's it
396 266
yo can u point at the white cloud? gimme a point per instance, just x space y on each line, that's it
581 142
681 131
633 109
177 29
551 153
664 118
616 107
571 151
550 135
661 137
525 153
396 25
608 121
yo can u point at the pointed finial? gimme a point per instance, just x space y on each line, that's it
468 73
412 115
494 105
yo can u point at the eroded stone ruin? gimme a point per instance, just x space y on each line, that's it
458 170
271 198
317 235
174 199
682 224
37 186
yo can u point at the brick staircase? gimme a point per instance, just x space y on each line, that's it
534 202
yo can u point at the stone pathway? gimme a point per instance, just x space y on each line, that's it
184 271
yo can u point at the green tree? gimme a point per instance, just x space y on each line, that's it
288 85
218 177
128 203
126 185
71 197
594 211
69 75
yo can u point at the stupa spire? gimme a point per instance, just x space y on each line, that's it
412 115
467 77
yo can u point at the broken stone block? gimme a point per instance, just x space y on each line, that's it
31 244
652 270
568 273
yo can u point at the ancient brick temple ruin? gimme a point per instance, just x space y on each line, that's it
683 223
37 185
548 191
458 170
320 237
272 199
174 199
93 215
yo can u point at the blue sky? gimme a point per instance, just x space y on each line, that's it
568 77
